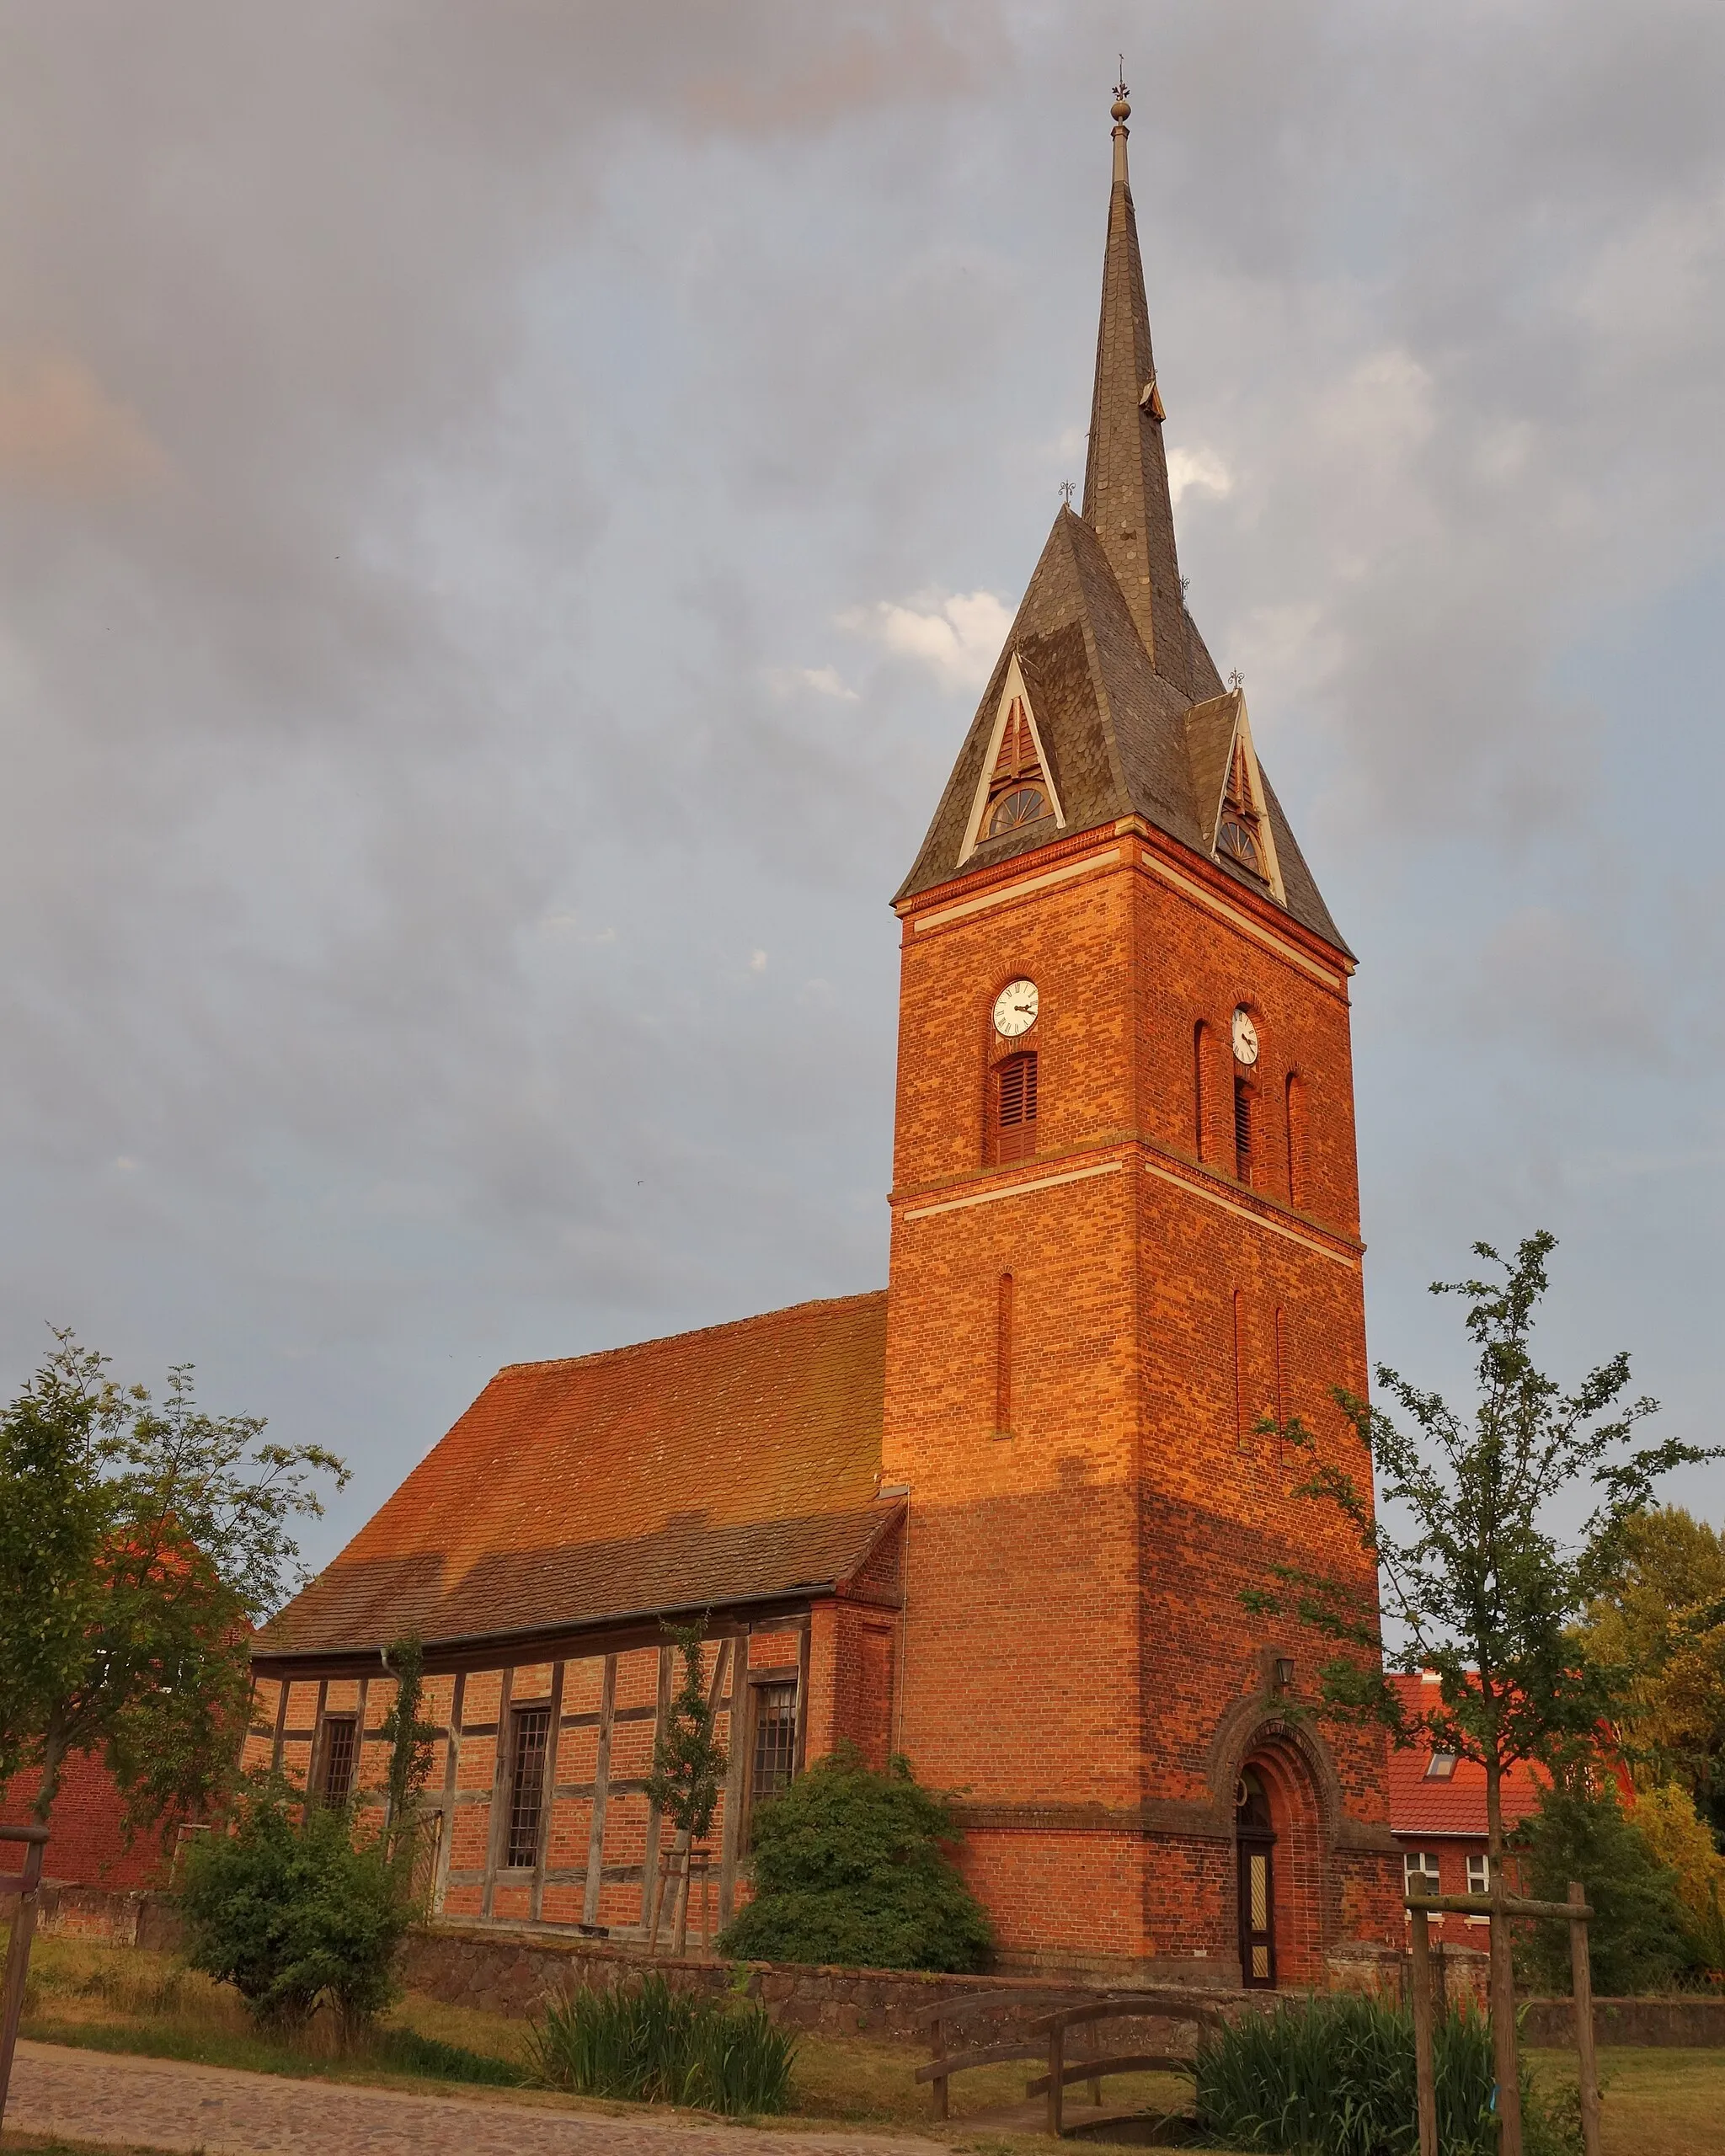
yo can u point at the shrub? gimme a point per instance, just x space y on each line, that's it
291 1914
1636 1940
651 2044
1334 2076
852 1866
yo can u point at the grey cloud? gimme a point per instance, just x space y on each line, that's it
425 435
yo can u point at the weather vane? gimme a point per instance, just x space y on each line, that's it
1066 492
1120 89
1235 681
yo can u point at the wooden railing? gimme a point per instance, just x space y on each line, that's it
1045 2040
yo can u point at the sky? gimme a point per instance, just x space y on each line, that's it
506 509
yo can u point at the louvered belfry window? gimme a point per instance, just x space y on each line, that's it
1242 1130
529 1733
1014 1105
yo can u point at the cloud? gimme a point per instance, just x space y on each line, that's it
1199 471
823 681
957 639
60 432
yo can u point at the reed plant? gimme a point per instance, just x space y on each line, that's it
1333 2075
649 2044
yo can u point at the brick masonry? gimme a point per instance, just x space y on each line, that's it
1076 1654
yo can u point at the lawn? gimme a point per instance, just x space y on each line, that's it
1658 2103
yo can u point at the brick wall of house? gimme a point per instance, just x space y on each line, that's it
1075 1653
88 1844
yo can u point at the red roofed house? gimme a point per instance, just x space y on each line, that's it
1000 1516
1438 1815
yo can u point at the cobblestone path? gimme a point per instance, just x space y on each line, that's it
96 2096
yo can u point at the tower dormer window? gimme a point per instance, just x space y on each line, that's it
1237 838
1016 792
1024 804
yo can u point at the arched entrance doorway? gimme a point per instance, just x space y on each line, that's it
1255 1841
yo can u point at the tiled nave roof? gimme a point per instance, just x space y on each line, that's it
714 1467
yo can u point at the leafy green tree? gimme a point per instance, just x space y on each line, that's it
139 1542
290 1913
688 1760
1636 1940
1661 1615
1476 1574
688 1768
853 1867
410 1742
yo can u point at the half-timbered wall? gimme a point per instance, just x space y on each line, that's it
597 1842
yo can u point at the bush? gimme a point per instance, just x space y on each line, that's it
1636 1940
1334 2076
851 1866
1680 1838
651 2045
291 1914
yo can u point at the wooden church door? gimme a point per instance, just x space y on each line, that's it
1256 1841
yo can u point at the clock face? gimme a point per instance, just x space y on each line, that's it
1015 1009
1245 1037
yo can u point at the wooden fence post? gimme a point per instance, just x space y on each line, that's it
937 2049
1581 1984
1056 2075
18 1952
1425 2080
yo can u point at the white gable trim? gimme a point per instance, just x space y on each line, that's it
1240 736
1013 686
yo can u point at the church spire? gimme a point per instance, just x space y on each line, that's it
1126 501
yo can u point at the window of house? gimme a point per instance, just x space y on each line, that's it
1479 1880
775 1738
1420 1869
530 1733
1014 1117
1242 1129
1440 1767
341 1753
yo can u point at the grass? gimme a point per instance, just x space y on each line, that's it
1658 2103
649 2043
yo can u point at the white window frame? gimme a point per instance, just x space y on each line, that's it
1479 1880
1422 1865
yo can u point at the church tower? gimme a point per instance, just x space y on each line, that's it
1125 1239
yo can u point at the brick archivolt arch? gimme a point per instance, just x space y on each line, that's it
1247 1733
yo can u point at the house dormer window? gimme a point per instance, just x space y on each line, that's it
1237 839
1016 793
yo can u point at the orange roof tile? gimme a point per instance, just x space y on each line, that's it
711 1468
1456 1806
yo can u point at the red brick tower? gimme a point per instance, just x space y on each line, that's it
1125 1231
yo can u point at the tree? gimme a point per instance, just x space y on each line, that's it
851 1866
138 1545
1662 1615
688 1764
1636 1940
1679 1836
410 1741
1482 1587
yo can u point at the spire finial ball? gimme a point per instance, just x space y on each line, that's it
1121 110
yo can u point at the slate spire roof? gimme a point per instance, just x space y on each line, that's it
1129 709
